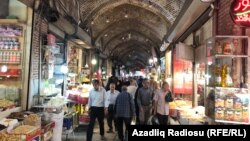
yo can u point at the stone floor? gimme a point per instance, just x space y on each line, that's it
80 134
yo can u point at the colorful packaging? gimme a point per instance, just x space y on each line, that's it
219 114
238 115
245 114
229 115
237 104
229 102
219 102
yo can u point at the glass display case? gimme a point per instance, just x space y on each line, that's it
227 95
11 63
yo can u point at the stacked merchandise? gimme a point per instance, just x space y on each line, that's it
28 131
231 105
79 96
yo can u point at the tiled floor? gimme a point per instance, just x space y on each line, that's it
80 134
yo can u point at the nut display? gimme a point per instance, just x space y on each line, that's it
7 137
33 119
24 129
6 103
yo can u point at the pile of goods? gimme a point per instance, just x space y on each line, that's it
231 107
17 115
24 129
33 120
7 137
20 133
6 104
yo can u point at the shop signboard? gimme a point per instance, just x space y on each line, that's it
240 12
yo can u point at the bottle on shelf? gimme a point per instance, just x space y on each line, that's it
228 48
218 48
223 75
229 80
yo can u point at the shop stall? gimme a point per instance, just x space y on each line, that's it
12 64
227 94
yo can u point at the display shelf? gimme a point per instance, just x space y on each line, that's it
227 56
225 101
10 76
17 37
232 122
4 50
12 63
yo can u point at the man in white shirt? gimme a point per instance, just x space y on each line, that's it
98 104
112 95
161 107
132 88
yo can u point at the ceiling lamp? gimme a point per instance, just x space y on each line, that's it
150 4
93 61
107 20
106 35
126 14
92 22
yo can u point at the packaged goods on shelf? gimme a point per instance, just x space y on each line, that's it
236 105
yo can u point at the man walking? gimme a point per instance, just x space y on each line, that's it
112 95
98 103
125 110
144 101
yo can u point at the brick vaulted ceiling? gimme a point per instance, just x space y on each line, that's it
123 28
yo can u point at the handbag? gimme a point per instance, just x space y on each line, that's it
168 97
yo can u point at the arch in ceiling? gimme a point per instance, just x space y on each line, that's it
130 52
129 43
128 24
133 62
118 13
124 55
119 36
102 8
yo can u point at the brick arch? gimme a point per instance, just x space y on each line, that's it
128 23
155 8
129 43
116 38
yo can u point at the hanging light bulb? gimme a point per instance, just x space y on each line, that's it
86 66
92 21
107 20
4 68
126 14
93 61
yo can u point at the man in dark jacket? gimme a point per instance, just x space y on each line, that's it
125 110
